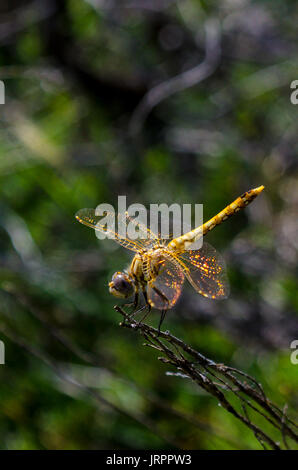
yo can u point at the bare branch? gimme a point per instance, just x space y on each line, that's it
220 381
92 359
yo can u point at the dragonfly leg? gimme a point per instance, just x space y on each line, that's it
145 316
133 304
164 311
146 300
136 300
140 310
162 317
147 305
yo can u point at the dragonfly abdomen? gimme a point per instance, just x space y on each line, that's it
183 242
231 209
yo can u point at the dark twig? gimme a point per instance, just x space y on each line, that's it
218 380
94 360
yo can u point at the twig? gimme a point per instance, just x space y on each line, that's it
218 380
94 360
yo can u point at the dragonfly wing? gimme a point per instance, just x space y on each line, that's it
164 290
106 225
146 237
206 271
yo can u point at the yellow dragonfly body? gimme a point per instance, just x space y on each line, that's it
159 268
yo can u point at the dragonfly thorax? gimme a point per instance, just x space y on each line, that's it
146 265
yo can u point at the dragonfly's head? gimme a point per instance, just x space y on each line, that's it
121 285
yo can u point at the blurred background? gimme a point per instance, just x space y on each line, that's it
162 101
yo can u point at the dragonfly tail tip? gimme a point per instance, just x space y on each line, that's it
259 189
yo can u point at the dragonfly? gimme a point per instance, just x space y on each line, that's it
159 267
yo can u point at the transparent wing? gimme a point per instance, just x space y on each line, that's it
205 269
164 290
106 225
147 238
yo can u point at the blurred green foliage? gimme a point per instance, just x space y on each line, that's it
74 72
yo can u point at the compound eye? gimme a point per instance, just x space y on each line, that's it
122 284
